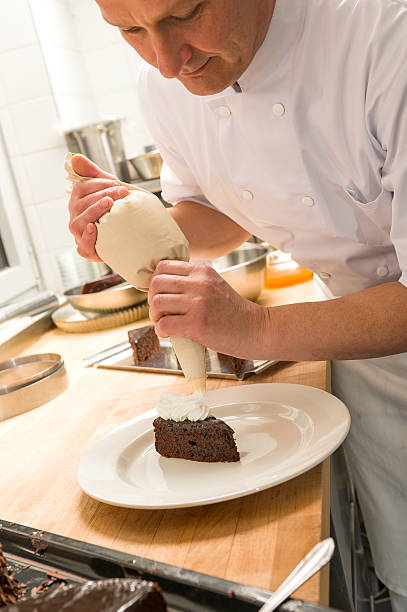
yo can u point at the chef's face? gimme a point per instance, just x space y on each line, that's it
205 44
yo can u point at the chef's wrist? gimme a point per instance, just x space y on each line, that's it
261 334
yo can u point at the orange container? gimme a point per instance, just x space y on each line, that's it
282 271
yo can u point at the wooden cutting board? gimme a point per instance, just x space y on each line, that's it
256 540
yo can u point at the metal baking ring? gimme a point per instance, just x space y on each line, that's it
30 381
41 365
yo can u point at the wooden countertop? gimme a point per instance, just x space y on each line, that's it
255 540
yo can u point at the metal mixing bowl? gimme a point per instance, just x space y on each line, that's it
111 299
244 269
148 165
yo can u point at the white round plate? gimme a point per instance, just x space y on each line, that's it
281 431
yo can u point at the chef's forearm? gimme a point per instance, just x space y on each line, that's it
370 323
209 232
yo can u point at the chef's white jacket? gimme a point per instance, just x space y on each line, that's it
310 156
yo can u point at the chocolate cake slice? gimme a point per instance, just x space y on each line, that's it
235 364
10 588
210 440
109 595
144 343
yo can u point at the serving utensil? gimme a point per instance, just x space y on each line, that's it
312 563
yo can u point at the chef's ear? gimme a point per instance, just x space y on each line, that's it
85 167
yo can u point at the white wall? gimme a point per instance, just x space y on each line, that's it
61 66
29 118
92 70
112 68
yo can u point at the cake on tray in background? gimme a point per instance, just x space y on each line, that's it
235 364
111 280
144 343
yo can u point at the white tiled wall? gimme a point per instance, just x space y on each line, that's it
61 66
112 68
29 120
35 124
17 27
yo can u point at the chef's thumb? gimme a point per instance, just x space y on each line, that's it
85 167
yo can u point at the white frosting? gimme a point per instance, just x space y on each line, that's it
177 407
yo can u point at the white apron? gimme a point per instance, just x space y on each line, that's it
375 391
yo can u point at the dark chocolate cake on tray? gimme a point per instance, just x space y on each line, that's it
235 364
110 595
144 343
10 588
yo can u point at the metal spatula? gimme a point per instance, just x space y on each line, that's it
312 563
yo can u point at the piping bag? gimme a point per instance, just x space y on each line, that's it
132 238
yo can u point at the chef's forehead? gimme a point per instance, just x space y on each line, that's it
125 12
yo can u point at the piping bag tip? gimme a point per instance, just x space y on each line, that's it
191 356
198 384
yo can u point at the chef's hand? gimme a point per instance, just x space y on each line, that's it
194 301
89 201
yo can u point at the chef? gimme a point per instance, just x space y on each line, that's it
287 119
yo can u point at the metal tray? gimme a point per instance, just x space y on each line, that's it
17 334
35 556
120 357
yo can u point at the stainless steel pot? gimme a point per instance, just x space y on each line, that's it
244 269
102 142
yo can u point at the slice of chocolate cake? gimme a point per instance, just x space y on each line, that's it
10 588
111 595
209 440
235 364
144 343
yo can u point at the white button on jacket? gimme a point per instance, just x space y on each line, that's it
223 111
247 195
278 110
382 271
307 201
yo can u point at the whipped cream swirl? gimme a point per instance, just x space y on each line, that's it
177 407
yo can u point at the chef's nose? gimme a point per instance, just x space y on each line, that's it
171 53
